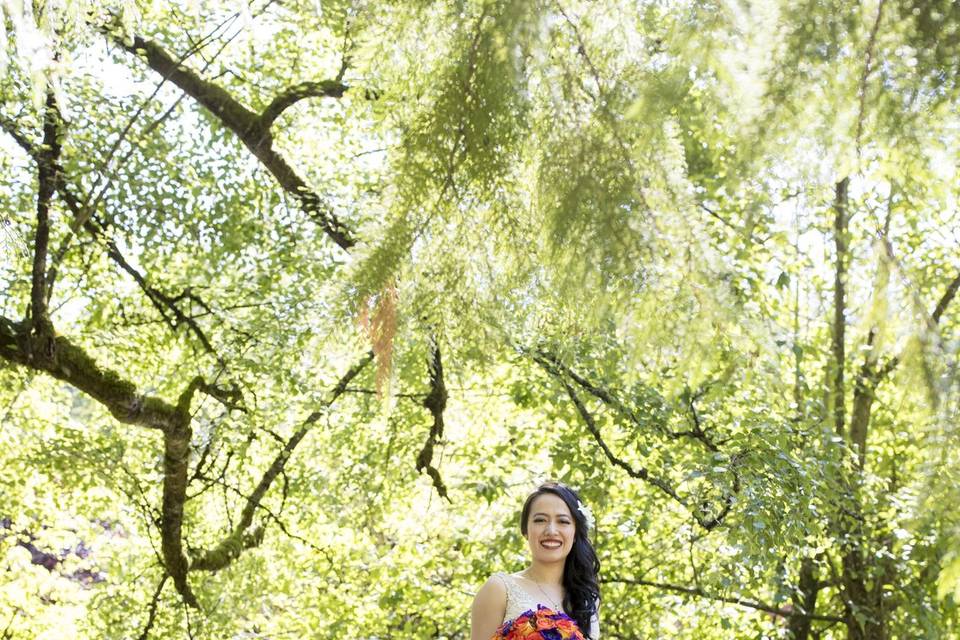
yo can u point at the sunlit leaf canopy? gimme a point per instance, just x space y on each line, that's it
300 299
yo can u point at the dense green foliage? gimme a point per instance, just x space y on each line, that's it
299 299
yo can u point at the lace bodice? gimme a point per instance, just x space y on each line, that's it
520 600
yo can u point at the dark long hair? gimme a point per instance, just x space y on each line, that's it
581 591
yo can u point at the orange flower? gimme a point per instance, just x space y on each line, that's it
565 624
544 621
544 624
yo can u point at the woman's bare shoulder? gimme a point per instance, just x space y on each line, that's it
493 589
489 607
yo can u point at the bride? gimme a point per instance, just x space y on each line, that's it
558 587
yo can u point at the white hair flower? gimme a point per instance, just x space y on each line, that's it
587 514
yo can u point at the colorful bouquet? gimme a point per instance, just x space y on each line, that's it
542 624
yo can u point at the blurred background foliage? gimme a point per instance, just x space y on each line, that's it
697 259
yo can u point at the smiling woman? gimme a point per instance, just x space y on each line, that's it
557 596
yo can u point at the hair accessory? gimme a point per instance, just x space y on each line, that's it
587 514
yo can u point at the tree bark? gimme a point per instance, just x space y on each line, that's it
252 128
805 601
860 615
46 185
839 305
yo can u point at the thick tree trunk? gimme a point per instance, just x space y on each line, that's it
805 601
863 618
866 618
856 598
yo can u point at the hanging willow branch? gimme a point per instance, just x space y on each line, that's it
701 593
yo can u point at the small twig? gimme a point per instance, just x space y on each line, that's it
152 616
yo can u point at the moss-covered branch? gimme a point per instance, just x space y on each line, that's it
47 159
291 95
176 458
245 535
73 365
69 363
252 128
435 402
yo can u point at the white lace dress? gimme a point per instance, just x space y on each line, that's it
520 600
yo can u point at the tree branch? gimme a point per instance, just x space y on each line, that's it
865 385
639 473
161 301
713 214
152 613
867 68
697 432
49 154
839 304
244 535
945 300
805 597
938 311
582 51
435 402
249 127
700 593
73 365
94 195
291 95
176 454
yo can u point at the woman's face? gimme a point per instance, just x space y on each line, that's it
550 528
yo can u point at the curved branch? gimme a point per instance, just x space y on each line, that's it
639 473
291 95
938 311
73 365
435 402
743 602
248 126
245 535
